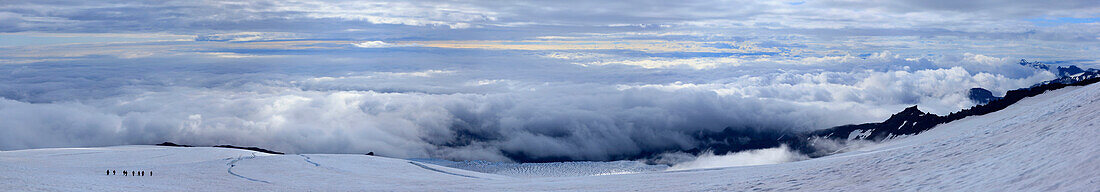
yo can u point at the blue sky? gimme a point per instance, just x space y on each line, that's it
481 80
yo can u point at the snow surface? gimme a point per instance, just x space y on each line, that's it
1048 142
556 169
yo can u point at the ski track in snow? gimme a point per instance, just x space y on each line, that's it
441 171
309 161
233 163
70 154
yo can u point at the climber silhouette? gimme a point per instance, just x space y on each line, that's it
124 173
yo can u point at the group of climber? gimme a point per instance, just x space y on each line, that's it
130 173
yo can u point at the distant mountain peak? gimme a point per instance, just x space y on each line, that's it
908 112
912 109
1034 64
1061 71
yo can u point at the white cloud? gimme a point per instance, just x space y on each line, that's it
576 55
452 15
376 44
655 63
708 160
246 36
453 114
230 55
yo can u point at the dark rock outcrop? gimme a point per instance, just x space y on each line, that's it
981 96
250 149
908 121
170 144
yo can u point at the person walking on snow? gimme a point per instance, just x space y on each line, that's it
124 173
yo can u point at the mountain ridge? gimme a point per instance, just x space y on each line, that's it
909 121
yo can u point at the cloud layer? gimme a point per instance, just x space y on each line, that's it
554 80
487 111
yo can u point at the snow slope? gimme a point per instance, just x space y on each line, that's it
1048 142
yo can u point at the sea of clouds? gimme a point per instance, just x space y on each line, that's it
471 105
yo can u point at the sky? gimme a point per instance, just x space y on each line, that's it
492 80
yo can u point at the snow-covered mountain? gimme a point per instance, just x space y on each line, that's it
1041 143
913 121
909 121
1066 75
